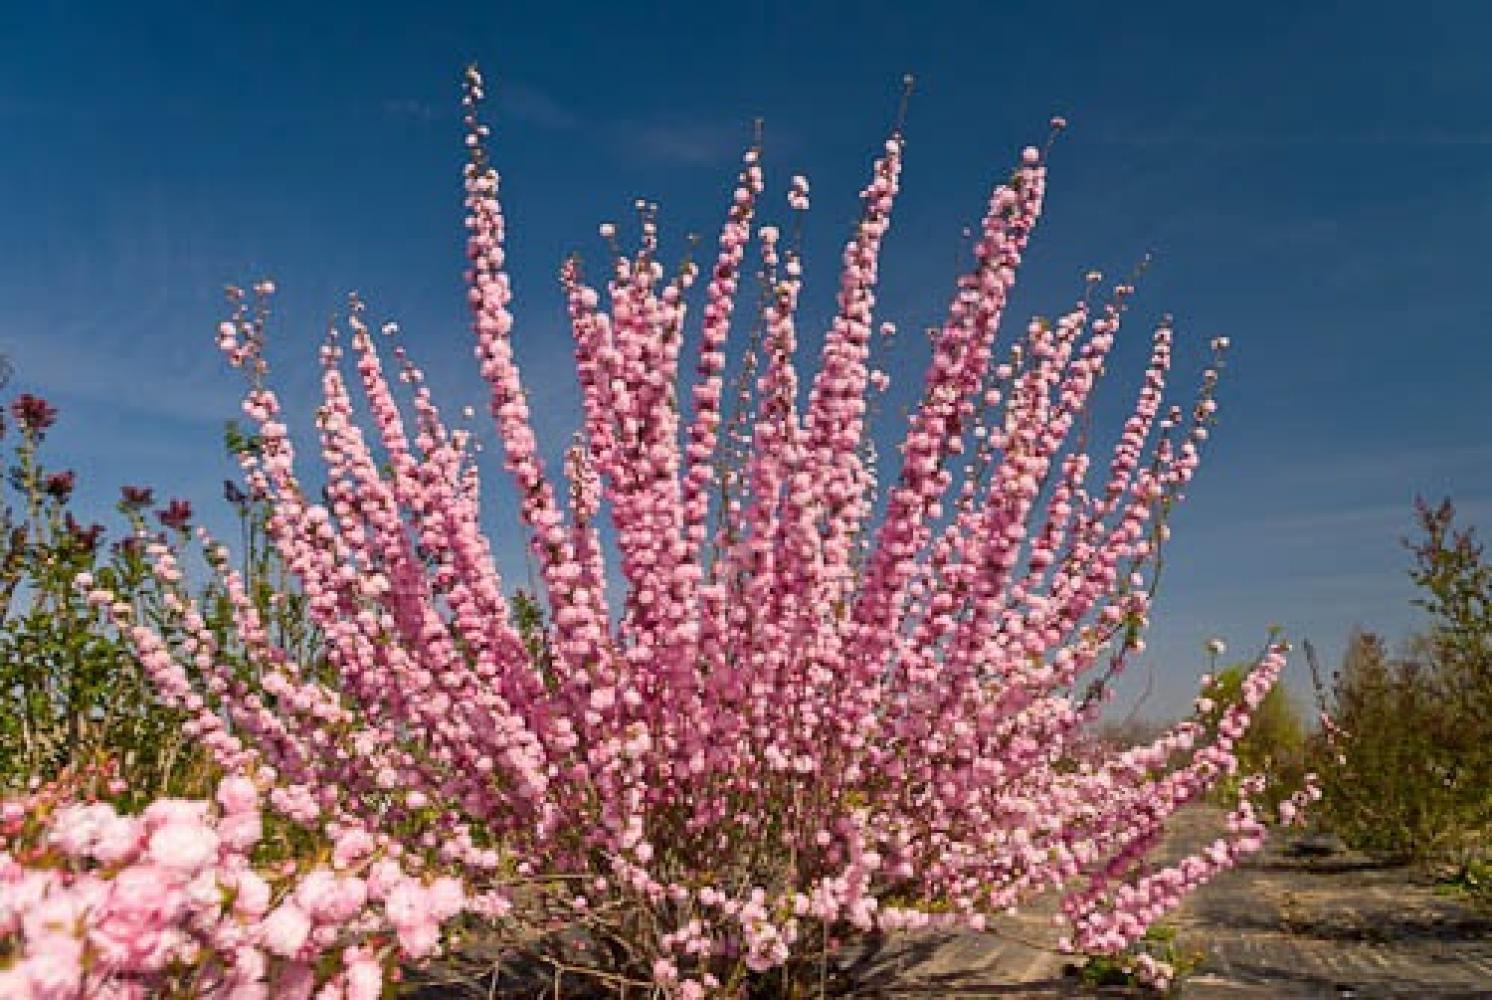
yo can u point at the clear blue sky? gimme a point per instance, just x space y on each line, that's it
1314 179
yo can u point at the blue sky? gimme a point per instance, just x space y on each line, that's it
1314 180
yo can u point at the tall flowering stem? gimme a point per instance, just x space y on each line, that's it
800 719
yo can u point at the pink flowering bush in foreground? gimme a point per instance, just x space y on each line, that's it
803 718
170 903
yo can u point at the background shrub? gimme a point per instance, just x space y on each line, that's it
72 693
1406 753
1275 744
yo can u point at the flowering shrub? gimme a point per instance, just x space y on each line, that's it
800 720
1157 960
1274 746
70 688
72 691
168 903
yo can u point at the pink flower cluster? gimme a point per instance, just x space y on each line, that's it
97 904
801 717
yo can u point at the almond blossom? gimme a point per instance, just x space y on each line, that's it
771 699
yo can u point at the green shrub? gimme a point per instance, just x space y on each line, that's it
70 690
1406 755
72 694
1165 966
1274 745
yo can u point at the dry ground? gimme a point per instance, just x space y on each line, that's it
1279 926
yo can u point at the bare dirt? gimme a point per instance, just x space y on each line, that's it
1279 926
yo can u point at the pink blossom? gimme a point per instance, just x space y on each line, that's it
735 606
237 794
364 978
285 930
182 847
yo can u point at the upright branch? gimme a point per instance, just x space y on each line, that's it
776 719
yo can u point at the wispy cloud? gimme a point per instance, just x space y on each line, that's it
528 104
14 107
1243 139
660 138
1315 524
406 107
509 102
679 140
1388 467
159 385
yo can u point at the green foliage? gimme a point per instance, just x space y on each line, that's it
528 618
1473 880
72 693
1161 944
1455 582
1406 759
70 690
1274 745
268 581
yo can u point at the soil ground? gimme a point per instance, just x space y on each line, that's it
1279 926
